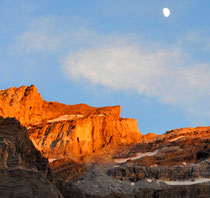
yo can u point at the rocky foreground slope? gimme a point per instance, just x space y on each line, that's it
23 170
93 152
25 173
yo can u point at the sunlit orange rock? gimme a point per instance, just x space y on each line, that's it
27 105
60 130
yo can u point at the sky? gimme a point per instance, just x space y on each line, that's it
105 52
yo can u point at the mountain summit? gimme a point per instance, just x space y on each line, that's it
60 130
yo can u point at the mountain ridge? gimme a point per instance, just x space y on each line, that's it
93 152
62 130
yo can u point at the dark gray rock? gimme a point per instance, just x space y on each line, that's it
180 172
23 170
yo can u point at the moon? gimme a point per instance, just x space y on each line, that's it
166 12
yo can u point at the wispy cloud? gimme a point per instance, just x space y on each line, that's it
124 62
52 35
164 73
39 37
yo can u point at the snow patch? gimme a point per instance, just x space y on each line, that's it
138 156
186 182
149 180
116 166
66 117
155 165
99 115
52 159
174 139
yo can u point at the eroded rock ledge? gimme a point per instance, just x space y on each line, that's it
27 106
60 130
23 170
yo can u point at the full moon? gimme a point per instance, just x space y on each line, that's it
166 12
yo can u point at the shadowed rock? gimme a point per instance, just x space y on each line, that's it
23 171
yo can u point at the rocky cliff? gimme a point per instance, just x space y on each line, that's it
175 164
60 130
23 170
27 106
175 147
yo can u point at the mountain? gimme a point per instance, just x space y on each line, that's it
60 130
93 152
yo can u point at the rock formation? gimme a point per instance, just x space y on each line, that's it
182 172
175 147
79 139
60 130
23 170
27 106
84 136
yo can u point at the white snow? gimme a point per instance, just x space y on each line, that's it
186 182
99 115
138 156
149 180
52 159
66 117
174 139
155 165
116 166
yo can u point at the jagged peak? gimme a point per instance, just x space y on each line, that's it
26 104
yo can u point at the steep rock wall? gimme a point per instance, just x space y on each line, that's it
23 170
60 130
79 137
26 105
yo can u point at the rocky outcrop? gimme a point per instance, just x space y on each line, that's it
174 173
80 137
66 169
176 147
27 106
96 183
60 130
23 171
195 191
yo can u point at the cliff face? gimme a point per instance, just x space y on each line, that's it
141 165
78 137
175 147
27 106
24 103
60 130
23 170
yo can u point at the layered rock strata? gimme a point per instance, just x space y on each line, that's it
139 166
176 147
188 172
23 170
80 137
27 106
60 130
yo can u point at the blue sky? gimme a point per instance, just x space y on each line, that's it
122 52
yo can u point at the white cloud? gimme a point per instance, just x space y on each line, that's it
40 37
123 62
56 34
168 74
199 40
